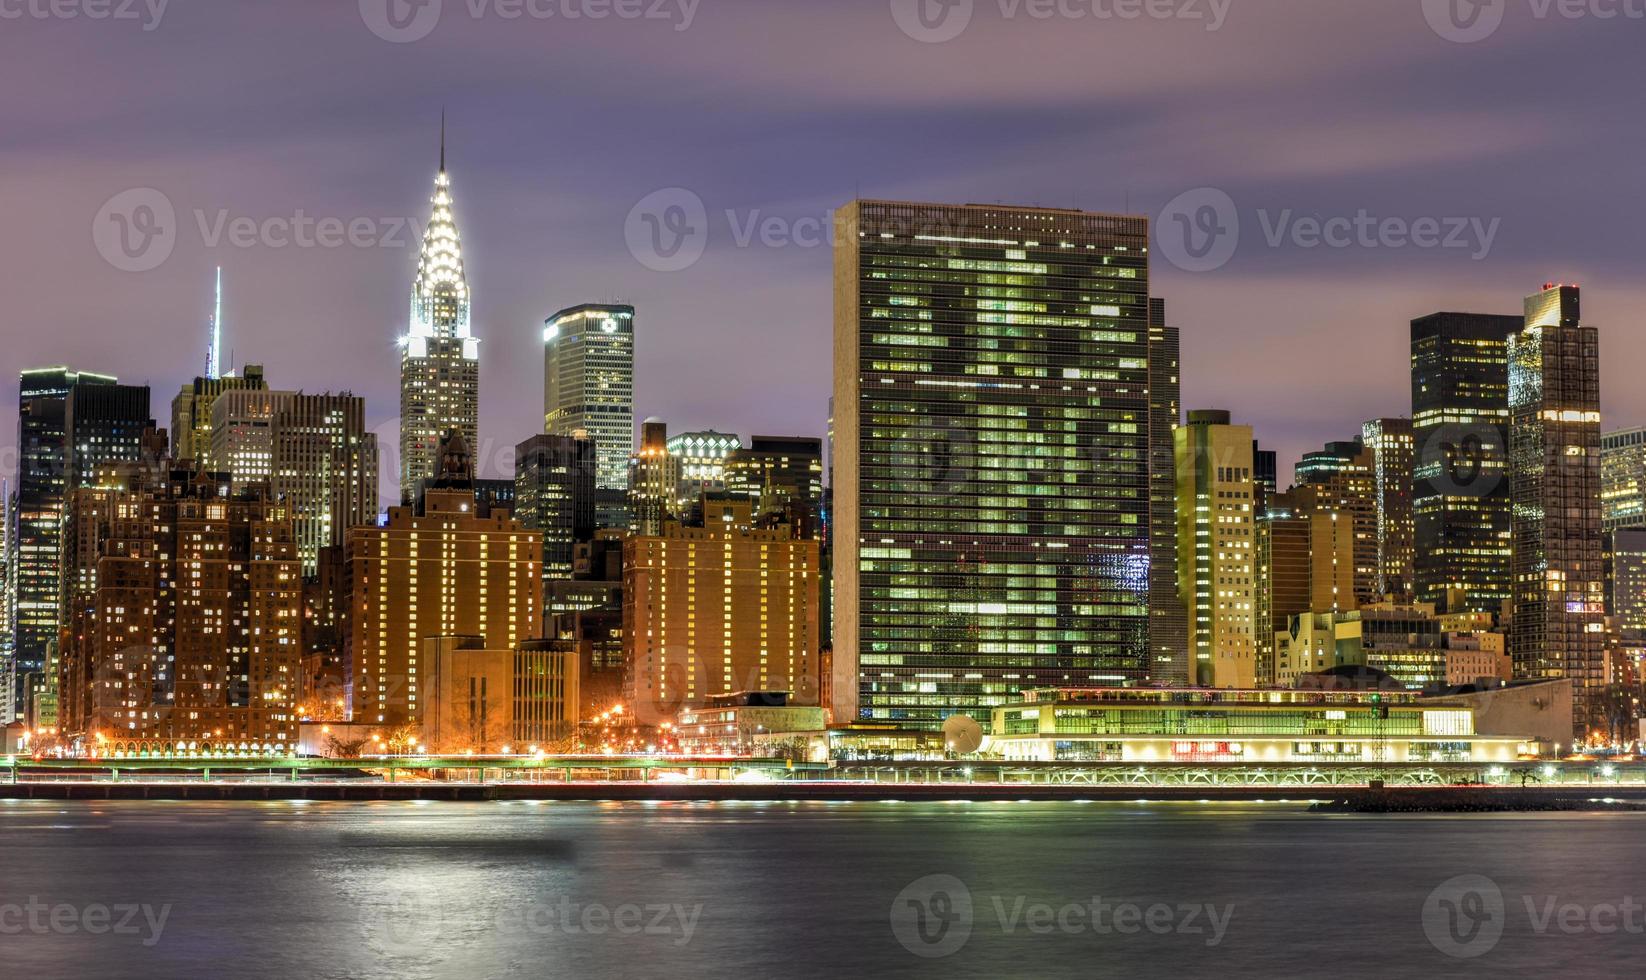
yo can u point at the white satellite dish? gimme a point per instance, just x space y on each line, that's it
962 735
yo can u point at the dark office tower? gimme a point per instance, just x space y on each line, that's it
42 442
1284 576
1460 485
782 476
1168 617
1340 478
106 424
992 453
1554 482
1390 443
554 494
1265 473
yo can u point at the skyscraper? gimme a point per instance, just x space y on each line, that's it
1554 474
1390 443
435 570
1460 486
718 609
991 478
1623 479
313 451
440 356
588 384
185 607
191 412
554 495
8 600
1216 547
42 441
783 477
654 479
1168 618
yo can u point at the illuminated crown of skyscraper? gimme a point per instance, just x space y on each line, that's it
440 295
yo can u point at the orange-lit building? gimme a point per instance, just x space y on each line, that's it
716 609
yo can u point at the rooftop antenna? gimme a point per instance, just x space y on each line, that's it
442 139
214 346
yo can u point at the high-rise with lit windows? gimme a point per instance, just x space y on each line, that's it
1390 443
437 570
554 495
1168 618
439 356
1216 547
1559 627
718 609
185 617
991 471
313 451
1460 478
588 384
1623 479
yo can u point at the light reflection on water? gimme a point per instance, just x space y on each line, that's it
469 891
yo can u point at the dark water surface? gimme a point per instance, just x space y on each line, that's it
470 891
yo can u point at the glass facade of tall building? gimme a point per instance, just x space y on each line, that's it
1623 479
554 495
1559 627
1460 486
991 475
588 384
1390 443
1168 618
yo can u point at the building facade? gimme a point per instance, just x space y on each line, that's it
1558 629
440 356
991 461
439 570
185 618
588 384
717 609
191 412
1460 485
554 496
313 451
782 477
1393 449
1216 547
1168 617
1623 479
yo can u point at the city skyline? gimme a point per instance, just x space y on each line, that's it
543 231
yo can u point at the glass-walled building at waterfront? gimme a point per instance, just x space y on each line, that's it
992 494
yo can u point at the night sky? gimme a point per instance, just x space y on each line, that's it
785 109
